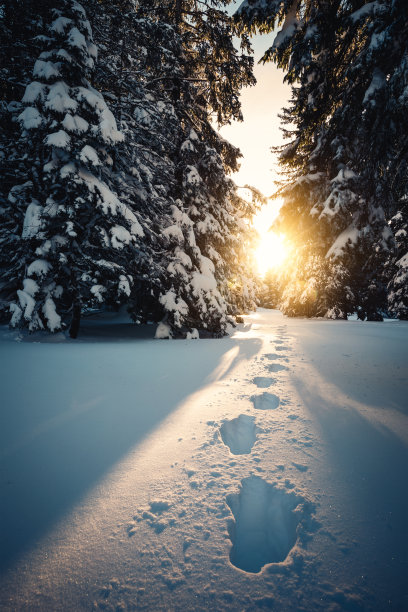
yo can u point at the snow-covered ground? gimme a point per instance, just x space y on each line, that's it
267 470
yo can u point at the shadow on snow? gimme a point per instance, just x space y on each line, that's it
70 412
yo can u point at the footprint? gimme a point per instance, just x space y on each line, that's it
283 347
263 381
276 367
265 527
265 401
272 356
239 434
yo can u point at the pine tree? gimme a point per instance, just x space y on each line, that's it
77 235
269 297
144 214
398 285
344 61
20 26
203 239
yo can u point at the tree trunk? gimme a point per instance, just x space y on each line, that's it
75 321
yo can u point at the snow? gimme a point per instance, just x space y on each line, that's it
187 146
74 123
58 139
349 236
192 176
32 220
172 304
39 267
45 70
124 286
366 11
59 24
58 98
98 291
50 313
30 286
32 92
88 154
204 280
27 303
163 332
76 39
403 262
120 236
107 123
138 474
110 202
30 118
290 25
378 82
136 229
174 231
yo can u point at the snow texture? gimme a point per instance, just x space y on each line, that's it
32 220
132 479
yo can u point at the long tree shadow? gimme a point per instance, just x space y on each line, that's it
368 461
70 412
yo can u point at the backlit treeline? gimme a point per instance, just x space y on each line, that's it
115 183
346 176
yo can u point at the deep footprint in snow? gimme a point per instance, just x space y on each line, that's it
239 434
263 381
265 527
265 401
276 367
272 356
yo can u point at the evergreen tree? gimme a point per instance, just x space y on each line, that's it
398 286
143 214
345 63
77 235
20 25
269 297
203 241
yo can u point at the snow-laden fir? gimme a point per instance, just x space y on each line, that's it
124 194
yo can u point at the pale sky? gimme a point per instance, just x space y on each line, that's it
255 136
260 129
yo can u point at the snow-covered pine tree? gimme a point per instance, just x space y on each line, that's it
19 26
136 54
341 59
269 295
203 242
78 237
398 285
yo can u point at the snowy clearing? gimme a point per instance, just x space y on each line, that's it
266 470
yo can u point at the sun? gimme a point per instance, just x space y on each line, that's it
272 250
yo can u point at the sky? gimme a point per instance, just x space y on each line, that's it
260 129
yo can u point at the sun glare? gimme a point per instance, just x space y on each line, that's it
272 250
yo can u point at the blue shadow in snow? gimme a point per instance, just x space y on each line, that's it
71 410
369 463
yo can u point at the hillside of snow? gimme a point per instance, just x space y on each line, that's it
266 470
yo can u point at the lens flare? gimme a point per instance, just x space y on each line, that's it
272 249
271 252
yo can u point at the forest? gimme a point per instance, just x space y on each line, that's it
117 188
